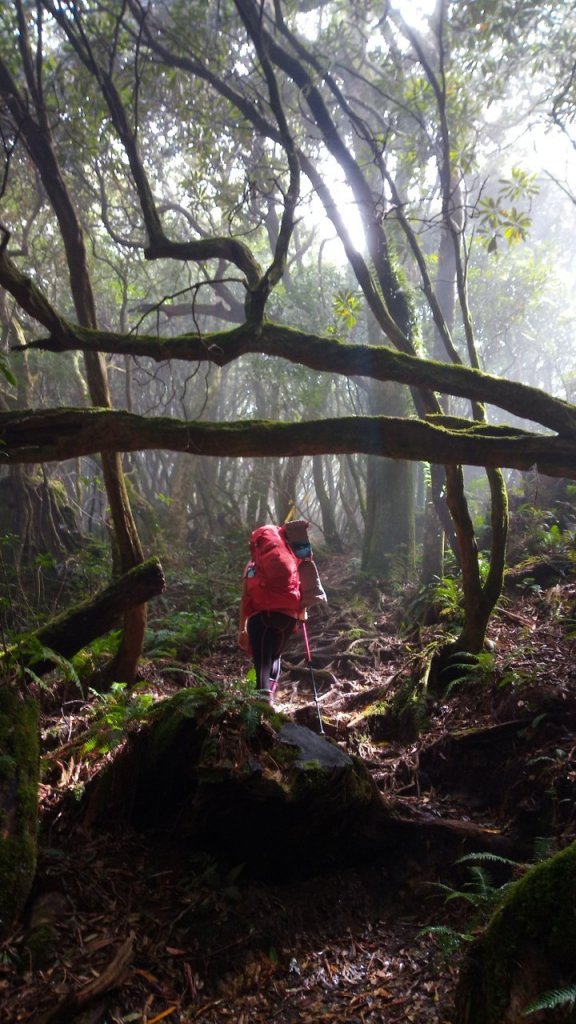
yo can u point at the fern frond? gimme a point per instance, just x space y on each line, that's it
250 718
552 999
493 857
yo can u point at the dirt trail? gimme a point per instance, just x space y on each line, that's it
207 945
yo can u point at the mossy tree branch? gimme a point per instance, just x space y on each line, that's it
324 354
49 435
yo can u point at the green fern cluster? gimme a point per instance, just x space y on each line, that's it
112 714
480 892
183 634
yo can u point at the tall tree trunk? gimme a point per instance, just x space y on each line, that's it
433 535
258 491
389 547
479 597
286 473
331 535
33 121
19 776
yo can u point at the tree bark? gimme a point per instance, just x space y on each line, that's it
285 477
37 134
75 629
329 528
304 348
56 434
19 776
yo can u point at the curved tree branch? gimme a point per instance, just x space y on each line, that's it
331 356
58 434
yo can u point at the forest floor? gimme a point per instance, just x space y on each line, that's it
130 929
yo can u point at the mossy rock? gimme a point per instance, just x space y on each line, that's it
231 776
526 950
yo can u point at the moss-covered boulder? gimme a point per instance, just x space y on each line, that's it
232 776
219 771
527 950
19 771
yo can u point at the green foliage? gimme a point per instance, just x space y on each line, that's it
211 700
480 891
346 308
6 372
88 660
250 676
113 714
440 599
407 711
183 634
516 677
42 586
449 940
464 667
26 651
497 220
552 1000
446 593
250 718
538 532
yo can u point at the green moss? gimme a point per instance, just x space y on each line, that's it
409 709
310 781
401 718
284 755
19 798
343 788
360 786
537 913
169 715
542 906
7 766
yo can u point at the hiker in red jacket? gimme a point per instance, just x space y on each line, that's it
270 606
279 583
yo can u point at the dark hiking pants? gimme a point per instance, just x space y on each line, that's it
269 633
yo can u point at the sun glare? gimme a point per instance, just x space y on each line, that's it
415 12
347 209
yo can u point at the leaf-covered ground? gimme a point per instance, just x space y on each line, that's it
139 929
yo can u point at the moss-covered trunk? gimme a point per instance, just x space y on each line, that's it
480 596
526 950
19 770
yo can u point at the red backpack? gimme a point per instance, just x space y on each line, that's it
272 578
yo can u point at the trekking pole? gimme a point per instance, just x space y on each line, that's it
309 659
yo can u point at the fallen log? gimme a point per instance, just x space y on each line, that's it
70 632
